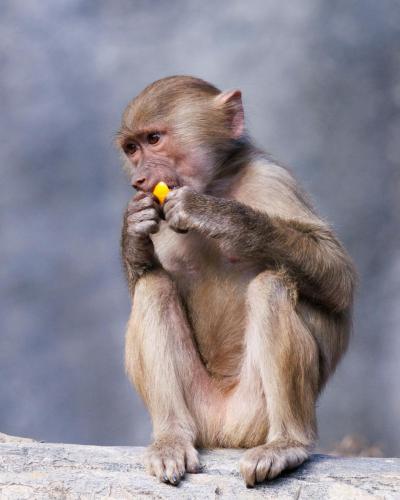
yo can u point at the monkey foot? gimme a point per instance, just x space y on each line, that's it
269 460
169 458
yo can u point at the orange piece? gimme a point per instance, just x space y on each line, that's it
160 191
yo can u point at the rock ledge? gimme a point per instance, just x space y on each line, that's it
43 470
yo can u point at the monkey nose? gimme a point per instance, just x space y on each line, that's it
138 183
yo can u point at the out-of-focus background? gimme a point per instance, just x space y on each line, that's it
321 86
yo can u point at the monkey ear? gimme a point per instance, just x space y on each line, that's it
232 99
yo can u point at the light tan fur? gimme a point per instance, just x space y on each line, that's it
247 353
229 352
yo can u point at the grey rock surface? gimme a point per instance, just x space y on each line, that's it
42 470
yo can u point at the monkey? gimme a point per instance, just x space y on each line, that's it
241 294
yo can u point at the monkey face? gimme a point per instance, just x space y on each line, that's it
156 154
182 131
151 160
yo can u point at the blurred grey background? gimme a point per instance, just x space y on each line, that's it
321 86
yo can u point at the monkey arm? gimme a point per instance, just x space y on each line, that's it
310 251
138 256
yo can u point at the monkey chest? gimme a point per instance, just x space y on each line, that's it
190 257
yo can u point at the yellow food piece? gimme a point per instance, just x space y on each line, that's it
160 191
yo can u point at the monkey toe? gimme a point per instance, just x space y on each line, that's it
192 460
175 469
169 459
268 461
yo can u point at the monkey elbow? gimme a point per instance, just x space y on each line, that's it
330 277
349 286
344 299
342 295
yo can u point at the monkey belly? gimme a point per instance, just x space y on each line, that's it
213 292
217 313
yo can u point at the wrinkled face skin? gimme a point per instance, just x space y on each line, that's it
153 154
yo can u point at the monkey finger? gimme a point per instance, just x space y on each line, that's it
177 224
156 205
136 205
174 194
143 228
178 193
146 214
168 204
173 222
154 228
139 195
169 198
171 207
177 220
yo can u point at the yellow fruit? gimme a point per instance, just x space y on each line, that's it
160 191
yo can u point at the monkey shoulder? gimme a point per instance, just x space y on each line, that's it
269 187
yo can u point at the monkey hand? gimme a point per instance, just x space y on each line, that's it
141 218
176 210
143 215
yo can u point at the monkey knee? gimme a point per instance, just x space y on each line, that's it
277 287
157 277
272 297
156 286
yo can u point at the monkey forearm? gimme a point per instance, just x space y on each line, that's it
309 251
137 260
138 256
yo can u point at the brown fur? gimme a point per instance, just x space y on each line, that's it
237 324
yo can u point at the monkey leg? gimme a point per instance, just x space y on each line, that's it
282 357
163 363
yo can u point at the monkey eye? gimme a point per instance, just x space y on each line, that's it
130 148
153 137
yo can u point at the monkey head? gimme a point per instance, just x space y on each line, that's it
180 130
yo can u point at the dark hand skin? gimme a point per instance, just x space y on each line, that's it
141 218
251 235
175 210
